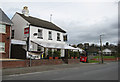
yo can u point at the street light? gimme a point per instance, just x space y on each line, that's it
101 46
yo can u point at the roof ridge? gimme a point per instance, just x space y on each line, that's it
34 17
41 23
5 19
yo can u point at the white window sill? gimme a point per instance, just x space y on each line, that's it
3 52
3 33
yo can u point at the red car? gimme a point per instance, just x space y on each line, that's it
83 59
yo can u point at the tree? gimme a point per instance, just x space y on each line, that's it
74 46
92 45
50 53
80 45
86 44
107 43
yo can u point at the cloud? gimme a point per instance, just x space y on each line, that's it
83 21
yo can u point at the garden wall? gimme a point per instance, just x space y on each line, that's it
15 63
108 59
72 61
46 62
26 63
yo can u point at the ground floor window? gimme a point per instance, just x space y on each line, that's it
58 49
50 49
2 46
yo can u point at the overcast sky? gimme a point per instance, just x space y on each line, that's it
83 21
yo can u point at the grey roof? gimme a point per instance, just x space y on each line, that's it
41 23
4 18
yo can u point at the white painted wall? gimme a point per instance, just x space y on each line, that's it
34 29
62 52
19 25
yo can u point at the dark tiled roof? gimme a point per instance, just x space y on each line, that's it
41 23
4 18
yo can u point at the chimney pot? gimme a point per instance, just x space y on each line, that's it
25 11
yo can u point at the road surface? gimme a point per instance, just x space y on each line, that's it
108 71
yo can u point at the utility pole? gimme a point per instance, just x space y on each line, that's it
28 41
86 52
101 49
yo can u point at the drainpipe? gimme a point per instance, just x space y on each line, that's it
10 43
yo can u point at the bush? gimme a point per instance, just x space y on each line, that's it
71 53
76 54
59 53
56 53
50 53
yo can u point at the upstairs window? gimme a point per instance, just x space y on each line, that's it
49 35
12 36
2 46
58 37
64 37
40 34
2 28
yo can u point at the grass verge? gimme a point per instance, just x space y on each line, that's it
93 61
105 57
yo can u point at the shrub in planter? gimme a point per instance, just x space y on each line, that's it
71 54
50 57
56 54
56 57
59 53
50 54
76 54
76 57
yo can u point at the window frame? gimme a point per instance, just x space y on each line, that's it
58 37
49 35
2 26
2 46
65 38
40 33
12 34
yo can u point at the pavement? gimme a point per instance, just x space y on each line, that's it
82 71
23 70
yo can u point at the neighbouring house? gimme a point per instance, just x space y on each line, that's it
79 49
107 52
39 35
17 50
5 35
